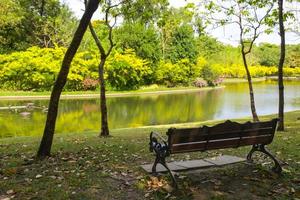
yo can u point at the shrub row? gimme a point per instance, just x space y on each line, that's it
37 68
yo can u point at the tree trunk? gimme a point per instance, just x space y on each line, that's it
280 67
104 123
46 142
252 101
43 3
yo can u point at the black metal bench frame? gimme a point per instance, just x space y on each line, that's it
163 148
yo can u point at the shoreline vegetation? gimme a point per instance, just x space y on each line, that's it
154 89
22 95
83 166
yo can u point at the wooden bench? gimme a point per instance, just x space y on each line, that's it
225 135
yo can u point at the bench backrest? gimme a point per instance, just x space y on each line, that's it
225 135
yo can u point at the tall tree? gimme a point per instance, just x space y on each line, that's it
250 16
182 45
25 23
47 139
143 40
280 67
144 11
175 23
11 26
108 7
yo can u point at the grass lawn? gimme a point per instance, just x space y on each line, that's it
152 88
85 166
242 80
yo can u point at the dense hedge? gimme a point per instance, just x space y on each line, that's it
36 69
127 71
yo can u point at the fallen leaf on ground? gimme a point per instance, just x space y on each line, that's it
10 192
168 188
38 176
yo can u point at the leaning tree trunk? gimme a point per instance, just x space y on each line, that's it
252 101
46 142
104 123
280 67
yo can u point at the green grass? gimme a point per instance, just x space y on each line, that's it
241 80
13 95
85 166
153 88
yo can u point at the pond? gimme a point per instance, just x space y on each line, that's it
77 115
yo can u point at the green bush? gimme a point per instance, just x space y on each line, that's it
84 66
34 68
37 68
238 71
182 72
127 71
172 74
212 74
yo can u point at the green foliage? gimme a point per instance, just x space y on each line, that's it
11 28
179 73
143 40
88 43
144 11
238 71
267 54
208 47
182 44
127 71
32 69
293 56
84 66
211 74
25 23
37 68
169 46
171 74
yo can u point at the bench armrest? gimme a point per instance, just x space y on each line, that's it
158 136
156 146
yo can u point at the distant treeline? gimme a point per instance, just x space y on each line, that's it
156 45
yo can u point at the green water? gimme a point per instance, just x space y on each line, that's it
79 115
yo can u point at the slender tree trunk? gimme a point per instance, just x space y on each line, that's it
163 43
46 142
104 122
280 67
252 101
43 3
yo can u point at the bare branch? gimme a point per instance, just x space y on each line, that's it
110 38
94 34
110 29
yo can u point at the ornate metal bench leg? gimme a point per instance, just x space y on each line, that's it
154 166
162 151
249 156
277 168
171 174
163 162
